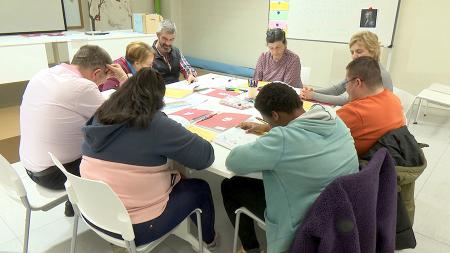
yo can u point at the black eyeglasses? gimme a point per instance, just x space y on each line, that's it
348 81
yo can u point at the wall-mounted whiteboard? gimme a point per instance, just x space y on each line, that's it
337 20
26 16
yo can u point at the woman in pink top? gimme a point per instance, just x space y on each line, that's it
279 63
137 56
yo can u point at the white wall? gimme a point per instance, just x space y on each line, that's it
233 32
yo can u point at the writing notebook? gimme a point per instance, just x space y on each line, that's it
224 121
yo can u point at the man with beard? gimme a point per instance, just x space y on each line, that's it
169 60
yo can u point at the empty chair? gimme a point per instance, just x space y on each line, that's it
112 216
27 192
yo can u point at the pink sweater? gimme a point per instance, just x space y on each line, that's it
144 190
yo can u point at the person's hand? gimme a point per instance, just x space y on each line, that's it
117 72
307 93
191 78
254 128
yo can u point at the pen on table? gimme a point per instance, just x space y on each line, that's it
263 121
205 117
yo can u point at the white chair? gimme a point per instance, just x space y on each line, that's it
407 100
305 73
247 212
438 94
26 191
111 214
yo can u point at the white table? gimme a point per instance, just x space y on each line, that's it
22 57
221 153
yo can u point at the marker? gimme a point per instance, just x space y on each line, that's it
263 121
205 117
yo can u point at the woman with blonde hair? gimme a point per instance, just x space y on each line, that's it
137 56
363 43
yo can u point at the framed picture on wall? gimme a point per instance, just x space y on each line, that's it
74 17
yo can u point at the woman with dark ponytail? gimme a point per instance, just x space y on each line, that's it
129 144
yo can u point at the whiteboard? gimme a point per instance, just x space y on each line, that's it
338 20
26 16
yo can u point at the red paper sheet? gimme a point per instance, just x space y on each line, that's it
218 93
191 113
224 121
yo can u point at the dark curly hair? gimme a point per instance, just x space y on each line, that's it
277 96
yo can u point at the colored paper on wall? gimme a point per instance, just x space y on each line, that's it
278 15
277 24
279 5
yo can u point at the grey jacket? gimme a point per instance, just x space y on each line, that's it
336 94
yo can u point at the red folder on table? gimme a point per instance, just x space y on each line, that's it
224 121
192 114
218 93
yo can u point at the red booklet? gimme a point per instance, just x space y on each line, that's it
192 114
224 121
221 93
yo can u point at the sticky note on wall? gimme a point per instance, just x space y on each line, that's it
279 5
278 15
278 24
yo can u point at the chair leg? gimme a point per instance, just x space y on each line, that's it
199 230
418 110
74 231
27 230
236 231
131 246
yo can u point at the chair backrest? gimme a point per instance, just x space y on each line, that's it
406 98
305 73
98 203
10 180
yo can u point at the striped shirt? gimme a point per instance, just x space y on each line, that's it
287 69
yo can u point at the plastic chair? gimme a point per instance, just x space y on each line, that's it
438 94
26 191
247 212
112 215
305 73
407 100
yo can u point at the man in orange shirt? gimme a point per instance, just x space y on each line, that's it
372 111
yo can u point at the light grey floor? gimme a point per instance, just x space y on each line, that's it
51 231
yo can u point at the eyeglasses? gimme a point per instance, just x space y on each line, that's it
348 81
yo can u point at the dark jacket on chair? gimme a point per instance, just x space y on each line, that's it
410 163
355 213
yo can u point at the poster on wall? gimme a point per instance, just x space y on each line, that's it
72 11
106 15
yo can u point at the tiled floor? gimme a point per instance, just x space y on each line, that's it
51 231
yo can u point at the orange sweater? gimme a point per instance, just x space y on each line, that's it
372 117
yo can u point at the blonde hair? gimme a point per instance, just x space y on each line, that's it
138 52
369 40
